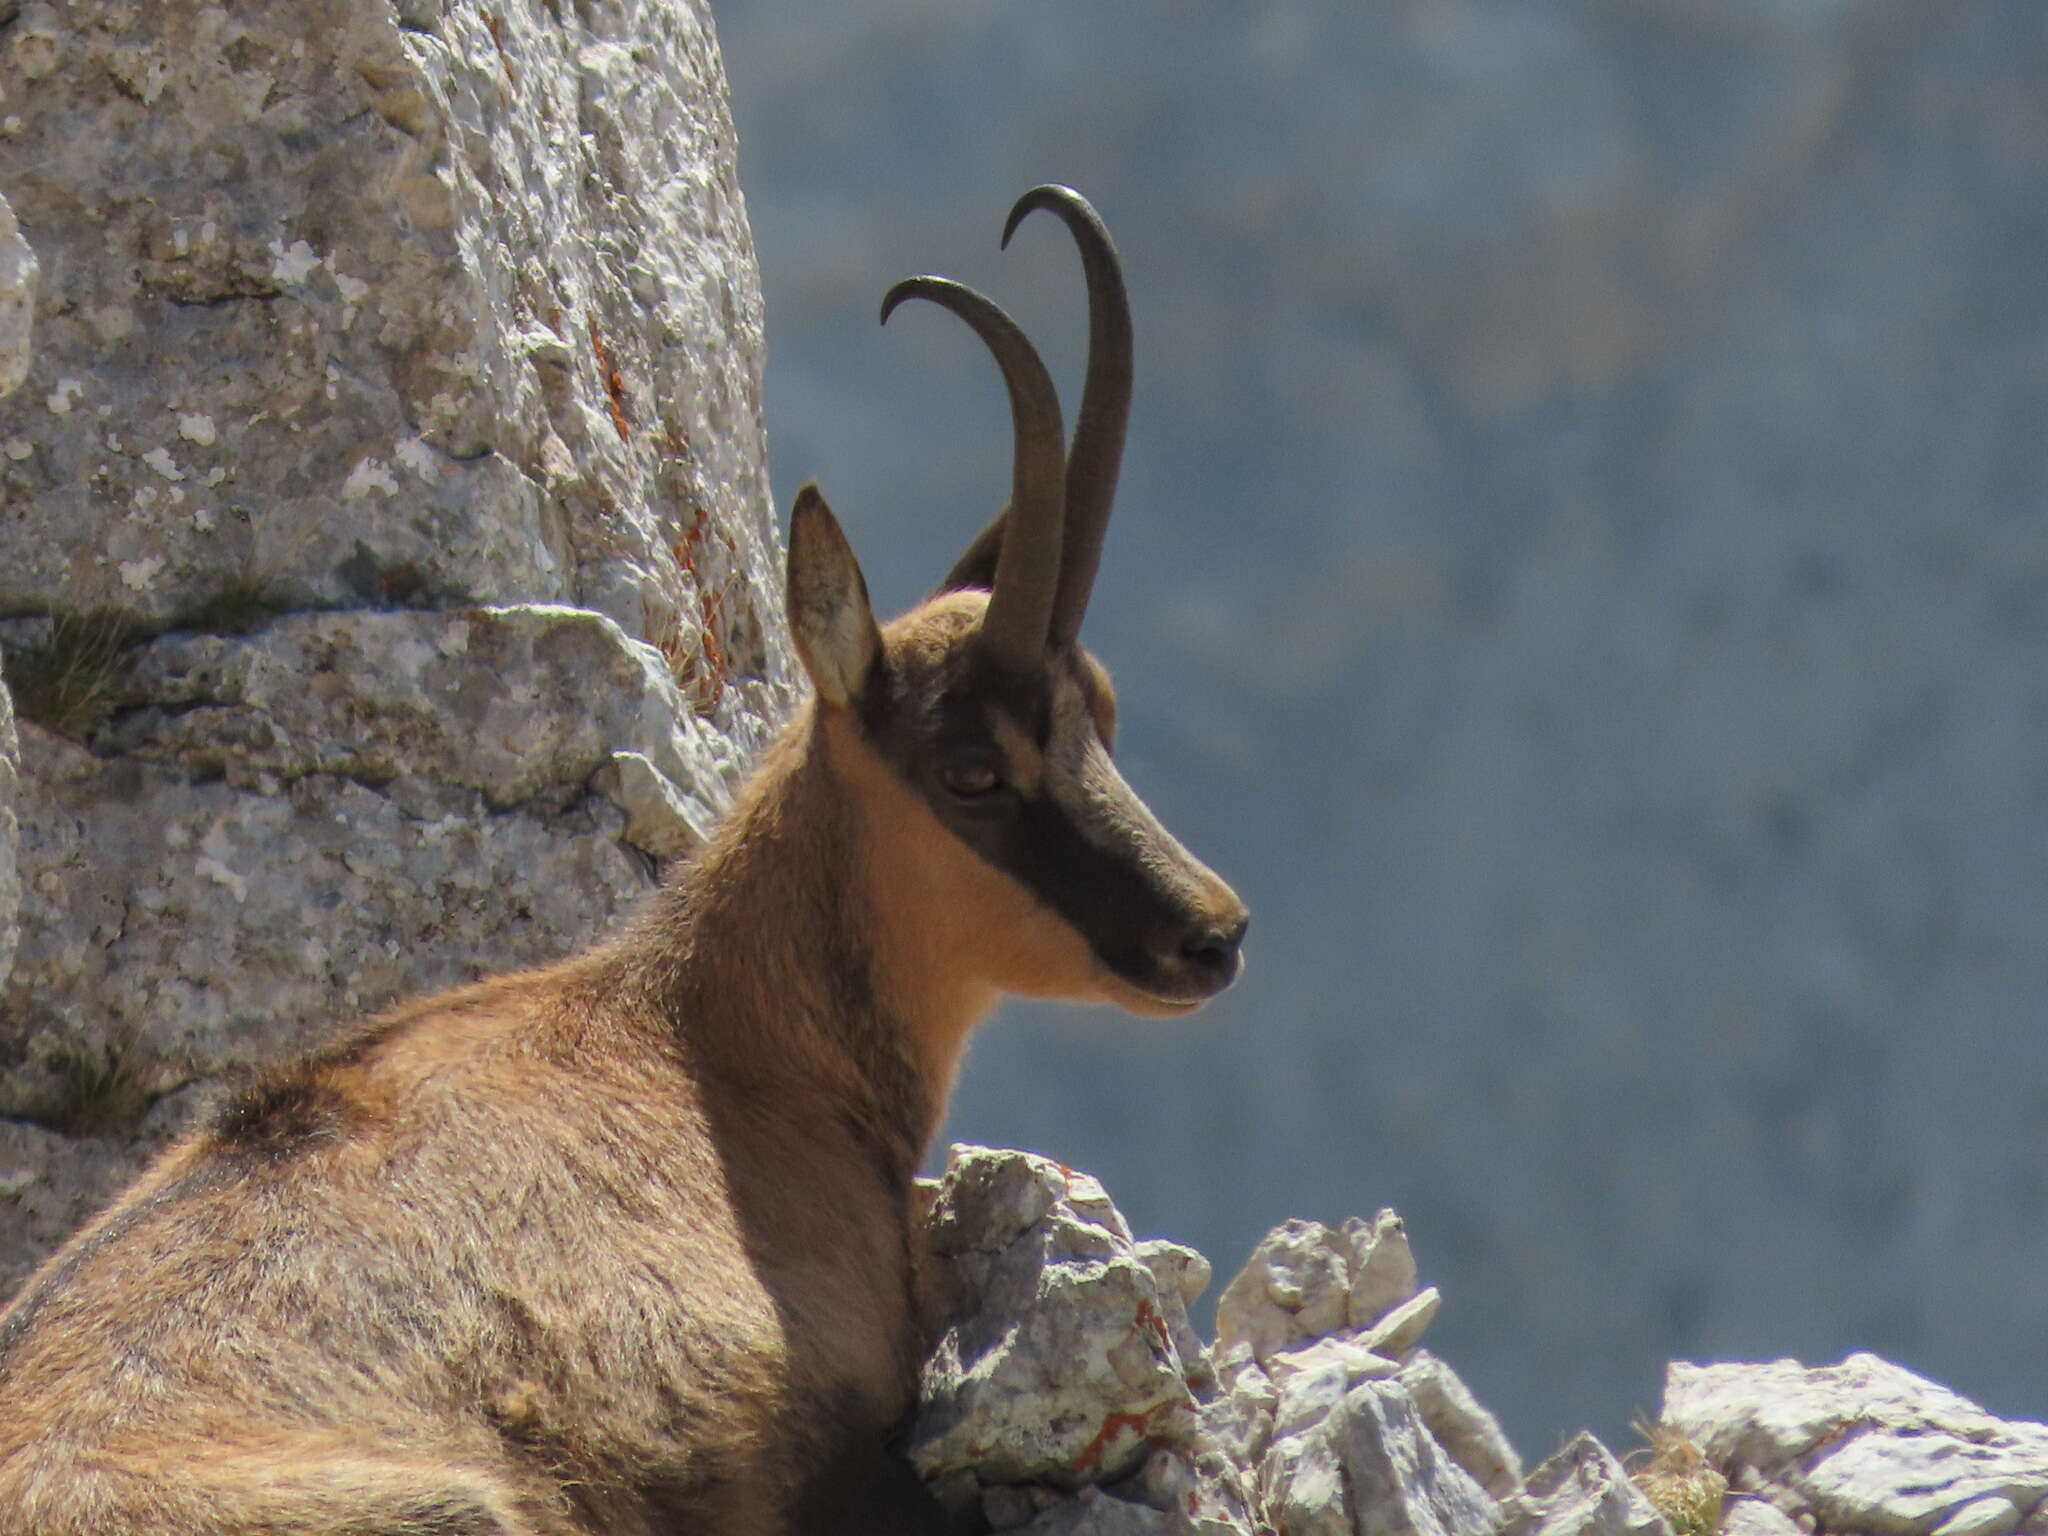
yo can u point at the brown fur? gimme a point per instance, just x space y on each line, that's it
619 1243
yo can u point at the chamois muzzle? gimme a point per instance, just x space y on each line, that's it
1212 951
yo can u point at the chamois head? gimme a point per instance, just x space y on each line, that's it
979 727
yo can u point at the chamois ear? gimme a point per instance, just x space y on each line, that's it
829 614
977 567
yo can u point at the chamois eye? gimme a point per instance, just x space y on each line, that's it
970 780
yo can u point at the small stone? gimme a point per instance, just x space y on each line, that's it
659 819
1352 1357
1395 1334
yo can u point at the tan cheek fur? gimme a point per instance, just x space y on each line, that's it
973 933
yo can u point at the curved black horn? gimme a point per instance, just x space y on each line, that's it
1098 448
1028 573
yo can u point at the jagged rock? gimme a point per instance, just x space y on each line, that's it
1467 1432
1059 1367
18 271
1304 1281
1581 1491
1865 1445
1370 1466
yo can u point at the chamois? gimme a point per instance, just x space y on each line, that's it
628 1244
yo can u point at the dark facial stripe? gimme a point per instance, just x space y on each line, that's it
1106 894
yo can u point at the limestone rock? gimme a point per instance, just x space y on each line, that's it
1865 1445
214 925
1059 1367
389 573
1239 1420
17 300
1582 1491
509 702
1183 1277
1468 1433
420 305
1370 1466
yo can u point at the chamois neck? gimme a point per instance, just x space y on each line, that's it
771 954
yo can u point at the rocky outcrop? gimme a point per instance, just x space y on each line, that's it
1070 1397
1071 1394
1861 1446
389 572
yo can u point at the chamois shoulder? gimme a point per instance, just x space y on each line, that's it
360 1077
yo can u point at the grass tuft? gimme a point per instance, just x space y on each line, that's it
1676 1477
65 683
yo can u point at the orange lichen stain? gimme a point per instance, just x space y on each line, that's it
497 30
1090 1459
1148 1317
703 671
614 381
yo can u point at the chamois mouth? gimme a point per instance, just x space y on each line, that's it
1204 961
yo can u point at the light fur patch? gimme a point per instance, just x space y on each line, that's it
1027 763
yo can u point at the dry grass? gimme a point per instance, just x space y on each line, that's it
66 683
1677 1478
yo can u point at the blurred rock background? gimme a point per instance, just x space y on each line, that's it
1582 571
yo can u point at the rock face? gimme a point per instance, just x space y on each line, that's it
389 572
1863 1446
462 307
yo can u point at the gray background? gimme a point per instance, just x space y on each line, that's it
1581 572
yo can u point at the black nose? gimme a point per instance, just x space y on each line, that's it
1211 949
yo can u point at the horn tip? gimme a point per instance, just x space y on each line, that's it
1057 196
909 288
